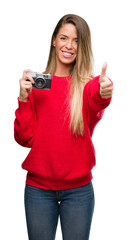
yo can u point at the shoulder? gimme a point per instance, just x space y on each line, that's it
92 86
93 81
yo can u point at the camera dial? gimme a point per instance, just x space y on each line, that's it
40 82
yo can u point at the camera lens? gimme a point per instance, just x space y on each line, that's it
40 83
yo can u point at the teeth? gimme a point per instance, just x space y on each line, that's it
67 54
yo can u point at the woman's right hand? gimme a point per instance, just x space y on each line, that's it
25 85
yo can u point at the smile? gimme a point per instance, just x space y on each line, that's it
67 54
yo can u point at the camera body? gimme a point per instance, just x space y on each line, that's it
41 81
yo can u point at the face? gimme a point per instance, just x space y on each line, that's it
66 44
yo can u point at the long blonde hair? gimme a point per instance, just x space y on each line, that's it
81 70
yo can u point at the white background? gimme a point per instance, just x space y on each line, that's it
25 32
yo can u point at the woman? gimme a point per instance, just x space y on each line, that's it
57 125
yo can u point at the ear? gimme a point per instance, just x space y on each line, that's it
54 42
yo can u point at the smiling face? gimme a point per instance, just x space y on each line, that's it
66 45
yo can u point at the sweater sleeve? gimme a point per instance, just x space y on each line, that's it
25 122
94 103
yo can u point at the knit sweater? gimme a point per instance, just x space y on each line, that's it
58 159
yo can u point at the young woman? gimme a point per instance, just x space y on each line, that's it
57 125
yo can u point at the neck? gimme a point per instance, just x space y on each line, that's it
62 70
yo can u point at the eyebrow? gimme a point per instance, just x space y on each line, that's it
67 36
63 35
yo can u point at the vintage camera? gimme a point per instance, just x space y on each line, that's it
41 81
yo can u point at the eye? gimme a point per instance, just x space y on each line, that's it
76 40
63 38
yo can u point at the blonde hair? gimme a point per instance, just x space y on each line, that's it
81 71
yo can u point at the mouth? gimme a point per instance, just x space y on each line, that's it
67 54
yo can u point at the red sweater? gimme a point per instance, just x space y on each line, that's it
58 160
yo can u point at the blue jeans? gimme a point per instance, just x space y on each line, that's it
74 206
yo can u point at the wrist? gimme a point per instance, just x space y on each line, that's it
23 99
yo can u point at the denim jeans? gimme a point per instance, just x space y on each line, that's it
44 207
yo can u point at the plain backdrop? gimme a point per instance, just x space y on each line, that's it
25 33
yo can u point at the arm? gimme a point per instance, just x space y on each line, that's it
96 97
25 121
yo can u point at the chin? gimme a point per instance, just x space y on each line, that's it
68 61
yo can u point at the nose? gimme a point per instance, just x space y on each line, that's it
69 44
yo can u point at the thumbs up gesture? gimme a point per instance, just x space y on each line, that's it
106 87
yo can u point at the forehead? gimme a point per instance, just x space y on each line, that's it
68 29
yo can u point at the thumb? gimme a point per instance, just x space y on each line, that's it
103 70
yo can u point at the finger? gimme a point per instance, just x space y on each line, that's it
26 80
27 77
27 70
104 94
26 84
108 88
105 84
108 95
28 87
103 70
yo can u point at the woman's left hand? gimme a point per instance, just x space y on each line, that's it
106 86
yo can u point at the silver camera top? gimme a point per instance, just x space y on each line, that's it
39 75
